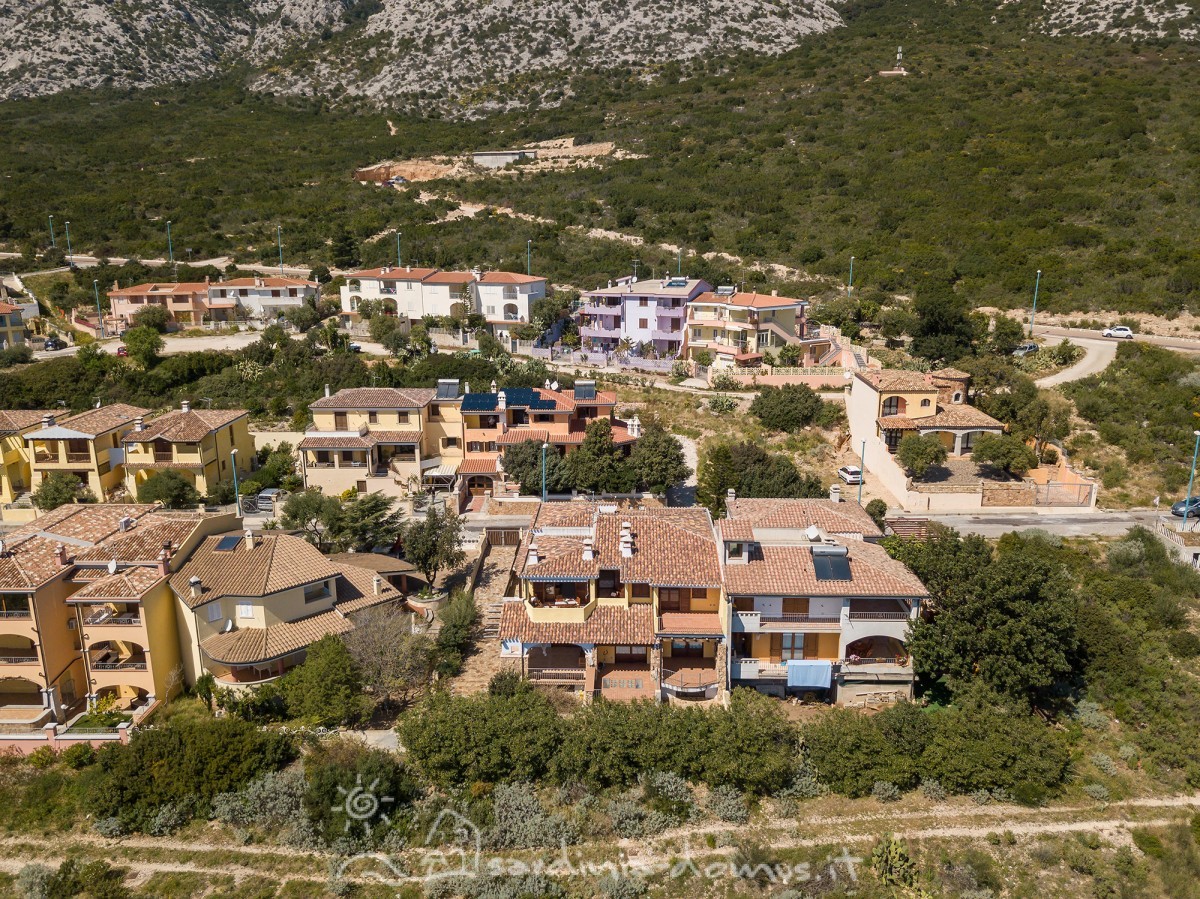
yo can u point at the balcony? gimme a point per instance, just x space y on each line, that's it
598 309
557 676
676 334
164 456
759 669
689 675
79 458
10 656
604 333
783 622
16 613
105 617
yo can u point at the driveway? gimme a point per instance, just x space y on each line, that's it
1181 344
1077 524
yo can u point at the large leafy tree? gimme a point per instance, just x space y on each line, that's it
308 512
762 474
788 408
523 464
717 476
658 460
144 344
327 689
599 465
364 522
170 488
153 316
1011 624
59 488
392 660
944 331
1006 452
920 452
433 543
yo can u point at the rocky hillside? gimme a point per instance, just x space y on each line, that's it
463 57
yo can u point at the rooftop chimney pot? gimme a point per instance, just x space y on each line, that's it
249 539
186 406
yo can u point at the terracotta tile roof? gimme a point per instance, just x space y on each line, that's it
185 427
376 398
13 421
606 625
6 308
145 541
748 300
350 442
896 379
276 563
186 288
478 466
735 529
959 416
898 423
393 273
509 278
356 588
274 281
374 562
451 278
102 420
395 436
686 624
799 514
672 547
129 584
951 373
789 571
520 435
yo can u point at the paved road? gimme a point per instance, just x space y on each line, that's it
175 345
1182 344
84 261
1097 354
1079 524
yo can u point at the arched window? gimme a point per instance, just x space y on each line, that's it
924 404
891 406
957 398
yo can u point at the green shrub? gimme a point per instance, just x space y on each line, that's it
42 757
1148 843
1096 791
80 755
884 791
521 822
931 789
727 804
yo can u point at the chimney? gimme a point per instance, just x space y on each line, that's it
408 268
185 406
196 586
327 390
626 546
164 562
635 427
466 387
774 293
47 421
532 557
139 423
547 384
249 539
730 495
60 553
493 385
502 401
589 552
835 493
378 584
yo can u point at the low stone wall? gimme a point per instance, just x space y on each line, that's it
1021 494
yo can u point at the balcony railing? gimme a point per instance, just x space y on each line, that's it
79 457
879 616
18 658
164 457
98 618
127 665
550 675
16 613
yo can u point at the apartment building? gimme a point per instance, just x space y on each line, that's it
84 609
187 303
885 405
12 326
649 313
396 288
618 603
816 605
16 470
737 328
249 606
506 300
386 439
203 445
265 298
88 445
500 418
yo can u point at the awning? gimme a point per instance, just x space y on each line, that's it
809 674
445 470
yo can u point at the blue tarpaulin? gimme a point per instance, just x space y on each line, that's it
809 674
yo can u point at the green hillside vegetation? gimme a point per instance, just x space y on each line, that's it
1004 152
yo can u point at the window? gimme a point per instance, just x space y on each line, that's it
435 412
245 610
402 418
405 454
214 611
339 421
275 294
360 486
408 285
693 649
629 653
491 310
957 398
449 442
373 417
924 404
891 406
892 439
643 302
317 591
734 550
697 333
292 292
793 646
643 323
641 591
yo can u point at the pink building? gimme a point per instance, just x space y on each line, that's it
187 303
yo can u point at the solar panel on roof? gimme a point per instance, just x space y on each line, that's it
585 391
228 544
479 402
447 390
831 568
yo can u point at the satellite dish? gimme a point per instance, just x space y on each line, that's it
813 532
112 566
228 626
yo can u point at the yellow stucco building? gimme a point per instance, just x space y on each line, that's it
198 443
87 445
16 472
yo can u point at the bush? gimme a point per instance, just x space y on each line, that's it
727 804
723 380
630 819
1099 792
354 793
42 757
885 791
168 819
34 881
520 821
79 755
877 509
1090 715
931 789
670 794
789 408
1104 763
110 827
1149 844
1183 644
722 405
920 453
268 801
327 688
981 797
618 886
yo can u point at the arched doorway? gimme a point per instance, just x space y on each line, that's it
876 650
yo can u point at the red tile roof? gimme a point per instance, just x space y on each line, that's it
797 514
789 571
606 625
276 563
184 288
13 421
509 278
275 281
451 278
185 427
748 300
478 466
376 398
895 379
393 273
686 624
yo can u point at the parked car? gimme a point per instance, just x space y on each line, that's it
354 347
1191 504
1120 332
1025 349
122 351
851 474
266 500
53 343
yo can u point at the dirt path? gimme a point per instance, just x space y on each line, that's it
484 661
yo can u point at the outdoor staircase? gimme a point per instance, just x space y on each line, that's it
490 620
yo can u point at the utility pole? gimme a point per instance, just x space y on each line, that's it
399 258
636 263
529 257
862 470
170 244
850 286
70 256
546 446
1187 500
1033 315
53 242
99 314
679 262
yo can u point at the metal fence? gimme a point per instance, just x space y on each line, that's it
1057 493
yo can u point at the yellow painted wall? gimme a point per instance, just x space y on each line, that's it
913 408
158 615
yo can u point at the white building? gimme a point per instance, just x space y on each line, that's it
506 300
399 288
650 311
449 294
264 298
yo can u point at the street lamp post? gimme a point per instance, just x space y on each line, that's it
399 258
850 286
99 314
679 261
545 446
70 258
170 245
862 470
237 500
1036 284
279 241
1187 500
529 257
53 242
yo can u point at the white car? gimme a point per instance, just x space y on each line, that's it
1120 331
851 474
